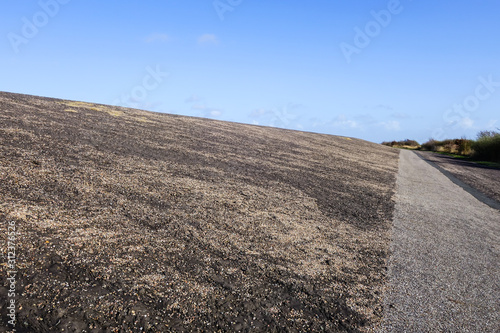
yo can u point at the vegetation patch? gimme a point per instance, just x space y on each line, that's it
485 149
115 113
144 120
487 146
452 146
78 104
406 144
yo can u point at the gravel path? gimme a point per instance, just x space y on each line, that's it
445 265
476 177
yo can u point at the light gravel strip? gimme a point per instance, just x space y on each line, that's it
444 272
431 158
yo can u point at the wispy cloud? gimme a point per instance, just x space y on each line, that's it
277 117
199 105
466 123
208 39
193 99
383 107
400 115
342 121
215 113
157 38
207 111
363 122
365 119
391 125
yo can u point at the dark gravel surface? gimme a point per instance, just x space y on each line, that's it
483 178
445 264
131 221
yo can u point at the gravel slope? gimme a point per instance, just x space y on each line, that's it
445 264
136 221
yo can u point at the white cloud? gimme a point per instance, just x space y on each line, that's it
392 125
206 111
467 123
383 106
157 37
200 107
361 122
342 122
277 117
400 115
208 39
193 99
260 112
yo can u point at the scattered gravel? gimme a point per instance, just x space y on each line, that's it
133 221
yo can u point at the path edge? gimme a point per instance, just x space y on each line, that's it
469 189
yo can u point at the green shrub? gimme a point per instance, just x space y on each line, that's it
464 146
411 143
452 146
402 143
431 145
487 146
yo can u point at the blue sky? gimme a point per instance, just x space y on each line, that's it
376 70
